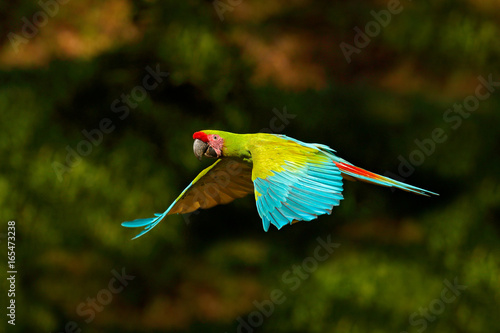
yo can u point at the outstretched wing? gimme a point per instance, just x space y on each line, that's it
222 182
294 181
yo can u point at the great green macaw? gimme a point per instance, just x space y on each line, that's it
292 180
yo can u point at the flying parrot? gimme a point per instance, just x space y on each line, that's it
292 180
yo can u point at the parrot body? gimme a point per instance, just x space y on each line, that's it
292 180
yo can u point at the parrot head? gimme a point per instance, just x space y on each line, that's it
208 143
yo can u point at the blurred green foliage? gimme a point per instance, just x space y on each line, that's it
202 272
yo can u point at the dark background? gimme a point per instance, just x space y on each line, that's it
235 72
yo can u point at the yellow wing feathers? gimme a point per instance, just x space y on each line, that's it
273 152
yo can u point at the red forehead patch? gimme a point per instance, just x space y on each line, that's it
200 136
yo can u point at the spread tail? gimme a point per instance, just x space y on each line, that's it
352 172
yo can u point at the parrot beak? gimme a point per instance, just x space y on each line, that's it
201 148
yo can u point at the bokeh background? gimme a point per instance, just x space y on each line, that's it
235 65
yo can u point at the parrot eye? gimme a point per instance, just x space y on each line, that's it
216 137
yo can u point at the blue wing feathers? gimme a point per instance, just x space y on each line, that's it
139 222
289 179
279 219
300 192
285 210
265 220
311 190
302 210
273 199
265 223
313 199
149 223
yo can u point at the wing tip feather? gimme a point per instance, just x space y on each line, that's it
147 223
